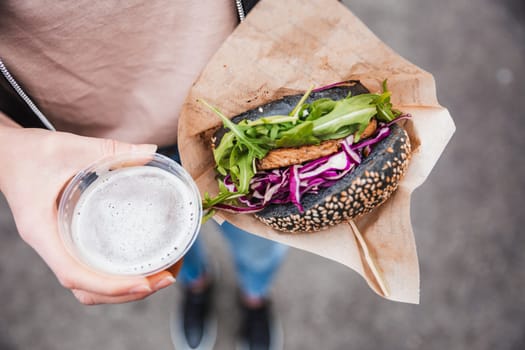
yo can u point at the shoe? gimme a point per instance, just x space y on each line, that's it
194 325
260 329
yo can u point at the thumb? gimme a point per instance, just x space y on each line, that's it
111 147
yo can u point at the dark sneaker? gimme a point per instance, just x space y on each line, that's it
260 329
194 324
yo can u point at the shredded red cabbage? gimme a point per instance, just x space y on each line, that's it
295 185
238 209
401 117
380 135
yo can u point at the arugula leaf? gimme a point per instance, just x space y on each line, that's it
320 107
238 130
246 172
224 195
207 216
385 112
342 132
298 107
274 131
300 135
274 119
223 149
352 110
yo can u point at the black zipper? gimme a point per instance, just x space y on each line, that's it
27 100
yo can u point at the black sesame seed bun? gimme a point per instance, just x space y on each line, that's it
366 187
369 185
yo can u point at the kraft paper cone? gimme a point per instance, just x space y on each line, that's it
282 48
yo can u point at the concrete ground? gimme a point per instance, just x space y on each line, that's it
467 219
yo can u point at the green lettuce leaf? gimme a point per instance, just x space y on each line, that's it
300 135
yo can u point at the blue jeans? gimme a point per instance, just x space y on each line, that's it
256 259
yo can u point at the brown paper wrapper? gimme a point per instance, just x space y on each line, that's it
282 48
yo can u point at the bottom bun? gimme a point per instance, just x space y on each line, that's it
358 193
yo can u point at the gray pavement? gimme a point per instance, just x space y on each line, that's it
466 217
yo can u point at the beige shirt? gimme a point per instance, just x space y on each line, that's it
116 69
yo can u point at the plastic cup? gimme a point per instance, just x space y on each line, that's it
131 214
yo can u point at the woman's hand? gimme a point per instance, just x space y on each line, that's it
35 167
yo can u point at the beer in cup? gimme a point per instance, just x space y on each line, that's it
132 214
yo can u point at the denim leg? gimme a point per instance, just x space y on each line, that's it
256 260
194 263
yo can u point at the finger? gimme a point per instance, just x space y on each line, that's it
88 298
81 151
74 275
136 160
158 281
109 147
175 268
85 150
112 147
161 280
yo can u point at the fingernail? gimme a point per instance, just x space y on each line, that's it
142 288
146 147
163 283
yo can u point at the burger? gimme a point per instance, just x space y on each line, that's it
306 162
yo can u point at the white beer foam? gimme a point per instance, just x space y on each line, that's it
134 220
